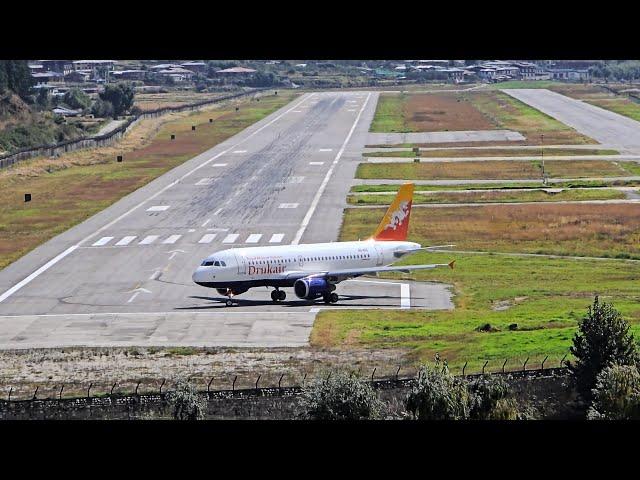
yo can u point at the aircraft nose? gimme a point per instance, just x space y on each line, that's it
197 275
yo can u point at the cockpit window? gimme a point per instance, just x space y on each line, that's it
216 264
222 263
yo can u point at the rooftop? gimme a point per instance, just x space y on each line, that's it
237 70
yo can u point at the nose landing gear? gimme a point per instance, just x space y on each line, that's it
278 295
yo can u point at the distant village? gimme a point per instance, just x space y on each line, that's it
59 76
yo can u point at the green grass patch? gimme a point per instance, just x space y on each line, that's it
544 297
490 153
389 116
479 196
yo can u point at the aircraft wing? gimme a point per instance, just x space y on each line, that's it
340 275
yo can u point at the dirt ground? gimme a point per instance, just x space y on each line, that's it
78 368
431 113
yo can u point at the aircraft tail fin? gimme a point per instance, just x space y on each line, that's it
395 223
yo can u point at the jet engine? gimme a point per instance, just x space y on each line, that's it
312 287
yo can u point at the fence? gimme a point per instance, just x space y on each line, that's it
109 138
388 382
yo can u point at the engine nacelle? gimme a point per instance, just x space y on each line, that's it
311 287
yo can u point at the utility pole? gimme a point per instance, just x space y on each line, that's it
544 176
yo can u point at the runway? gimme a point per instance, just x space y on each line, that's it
282 180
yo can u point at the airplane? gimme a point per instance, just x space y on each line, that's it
314 269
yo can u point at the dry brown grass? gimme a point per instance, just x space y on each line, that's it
443 111
565 229
489 170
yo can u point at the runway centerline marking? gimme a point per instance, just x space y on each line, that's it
217 211
206 223
71 249
158 208
326 150
316 163
323 186
239 151
288 205
219 165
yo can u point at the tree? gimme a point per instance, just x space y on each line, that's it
102 109
43 98
120 95
438 395
77 99
16 76
603 339
489 398
185 402
616 395
340 396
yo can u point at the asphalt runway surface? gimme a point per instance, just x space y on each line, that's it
602 125
123 277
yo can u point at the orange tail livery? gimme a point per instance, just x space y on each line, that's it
395 223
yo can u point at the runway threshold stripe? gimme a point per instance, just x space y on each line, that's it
276 238
102 241
254 238
149 239
126 240
232 237
172 239
208 238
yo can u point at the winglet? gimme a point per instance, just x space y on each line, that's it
451 264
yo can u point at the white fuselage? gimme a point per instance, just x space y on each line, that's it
271 265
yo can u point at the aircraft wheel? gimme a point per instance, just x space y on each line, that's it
229 303
326 298
275 295
282 295
333 298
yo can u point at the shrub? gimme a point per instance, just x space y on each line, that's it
341 396
437 395
616 395
603 339
185 402
489 399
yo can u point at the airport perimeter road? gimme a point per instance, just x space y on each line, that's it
282 180
602 125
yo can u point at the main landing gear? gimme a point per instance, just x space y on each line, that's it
330 297
278 295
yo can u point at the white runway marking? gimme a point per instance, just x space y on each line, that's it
148 239
217 211
158 208
232 237
316 163
288 205
351 110
102 241
296 111
172 239
276 238
405 296
326 149
70 250
204 181
219 165
254 238
295 179
208 238
42 269
217 229
239 151
126 240
316 199
206 223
